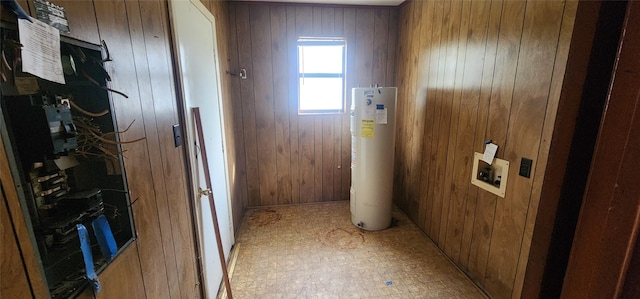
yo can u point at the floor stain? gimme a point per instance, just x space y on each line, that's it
264 217
343 239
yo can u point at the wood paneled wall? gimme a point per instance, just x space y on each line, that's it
283 157
470 71
162 262
14 282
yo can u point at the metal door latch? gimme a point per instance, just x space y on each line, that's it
203 192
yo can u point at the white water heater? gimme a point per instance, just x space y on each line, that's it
373 122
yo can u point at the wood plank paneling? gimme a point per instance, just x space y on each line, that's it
312 153
114 29
280 56
461 147
566 30
349 33
240 169
14 282
328 142
248 104
293 105
82 20
304 27
484 71
433 92
411 57
123 278
533 79
468 119
485 202
152 138
262 61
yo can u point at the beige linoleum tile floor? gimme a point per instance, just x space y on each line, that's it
313 251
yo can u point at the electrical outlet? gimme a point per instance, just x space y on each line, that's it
525 167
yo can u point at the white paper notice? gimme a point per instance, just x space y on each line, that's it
381 116
41 50
369 112
489 153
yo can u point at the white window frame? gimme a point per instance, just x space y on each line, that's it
317 41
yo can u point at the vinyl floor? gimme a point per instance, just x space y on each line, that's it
313 251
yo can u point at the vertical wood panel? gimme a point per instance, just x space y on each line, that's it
114 29
279 48
248 104
431 49
558 76
410 111
318 165
435 78
476 79
443 98
234 67
292 56
349 32
338 30
380 46
426 116
392 45
328 165
304 26
479 43
531 90
260 20
398 175
499 110
81 17
364 46
152 138
455 190
315 148
172 173
124 277
318 158
485 202
14 282
327 20
328 141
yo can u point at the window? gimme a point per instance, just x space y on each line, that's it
321 85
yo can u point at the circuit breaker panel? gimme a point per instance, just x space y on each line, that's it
67 163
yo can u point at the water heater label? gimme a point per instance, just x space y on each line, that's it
367 128
381 116
368 113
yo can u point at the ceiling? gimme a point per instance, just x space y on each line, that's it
343 2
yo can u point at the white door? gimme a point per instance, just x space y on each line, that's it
197 53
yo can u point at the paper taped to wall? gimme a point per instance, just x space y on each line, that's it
41 50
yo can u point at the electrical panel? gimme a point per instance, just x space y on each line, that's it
67 163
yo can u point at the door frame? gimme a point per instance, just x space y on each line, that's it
605 243
586 80
183 112
585 99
